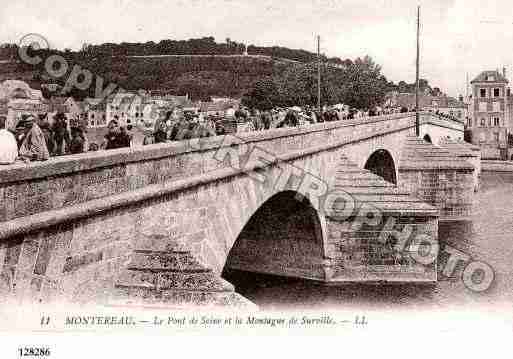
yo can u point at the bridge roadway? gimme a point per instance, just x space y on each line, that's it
157 225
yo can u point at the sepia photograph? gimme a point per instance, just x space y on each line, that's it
182 175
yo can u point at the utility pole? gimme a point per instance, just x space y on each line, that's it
417 120
466 88
319 73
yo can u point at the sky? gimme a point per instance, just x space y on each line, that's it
458 37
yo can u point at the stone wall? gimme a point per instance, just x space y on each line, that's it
438 177
70 226
449 190
67 261
362 256
80 259
436 130
70 180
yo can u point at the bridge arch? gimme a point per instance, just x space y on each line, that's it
283 237
381 163
427 138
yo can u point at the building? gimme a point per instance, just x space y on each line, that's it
222 99
74 107
18 88
17 107
51 87
119 107
490 117
450 106
469 119
95 112
19 99
215 108
135 108
57 104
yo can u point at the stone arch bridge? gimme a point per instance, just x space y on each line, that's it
157 225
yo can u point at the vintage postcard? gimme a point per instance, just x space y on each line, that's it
179 177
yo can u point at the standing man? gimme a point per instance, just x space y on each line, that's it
61 134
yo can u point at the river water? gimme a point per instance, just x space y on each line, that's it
488 238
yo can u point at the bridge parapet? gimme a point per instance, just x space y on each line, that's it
71 224
71 180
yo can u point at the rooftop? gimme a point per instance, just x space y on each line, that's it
490 76
408 100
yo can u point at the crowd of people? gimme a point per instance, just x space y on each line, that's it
34 138
37 138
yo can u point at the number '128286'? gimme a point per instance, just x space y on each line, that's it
34 352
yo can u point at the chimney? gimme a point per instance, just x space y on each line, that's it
504 71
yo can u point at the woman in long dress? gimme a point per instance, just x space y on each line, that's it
34 147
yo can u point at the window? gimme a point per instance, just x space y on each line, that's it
496 121
482 93
459 114
483 123
489 122
496 136
469 122
482 106
490 78
496 107
496 92
482 136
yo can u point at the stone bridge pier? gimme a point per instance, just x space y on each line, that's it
157 225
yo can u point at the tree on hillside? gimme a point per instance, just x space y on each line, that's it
263 96
364 85
359 84
424 88
402 87
298 85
